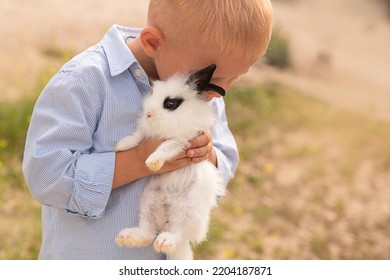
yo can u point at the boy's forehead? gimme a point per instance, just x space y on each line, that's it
228 65
230 73
232 68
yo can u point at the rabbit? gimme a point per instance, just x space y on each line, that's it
175 207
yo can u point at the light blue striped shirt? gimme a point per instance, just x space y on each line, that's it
84 110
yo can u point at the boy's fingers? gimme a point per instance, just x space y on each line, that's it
201 154
199 159
202 140
202 151
176 164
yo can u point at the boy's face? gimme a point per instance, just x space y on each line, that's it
172 60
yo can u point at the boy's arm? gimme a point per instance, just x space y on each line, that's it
60 165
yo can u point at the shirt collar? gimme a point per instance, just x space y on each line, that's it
119 56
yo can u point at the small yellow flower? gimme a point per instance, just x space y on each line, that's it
3 143
238 210
228 254
268 168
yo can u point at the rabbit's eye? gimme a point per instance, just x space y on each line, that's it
172 103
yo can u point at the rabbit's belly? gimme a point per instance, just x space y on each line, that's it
197 183
187 177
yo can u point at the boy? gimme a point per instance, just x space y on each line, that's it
87 191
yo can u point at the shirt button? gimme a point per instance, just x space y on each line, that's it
138 72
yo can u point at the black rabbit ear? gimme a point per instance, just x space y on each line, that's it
200 80
217 89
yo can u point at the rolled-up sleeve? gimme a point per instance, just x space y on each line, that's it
60 165
224 143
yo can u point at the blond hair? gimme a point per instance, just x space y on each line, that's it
232 26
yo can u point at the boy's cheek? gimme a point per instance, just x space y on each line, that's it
209 95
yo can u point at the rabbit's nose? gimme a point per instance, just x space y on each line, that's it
149 115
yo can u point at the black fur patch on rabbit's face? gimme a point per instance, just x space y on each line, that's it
172 104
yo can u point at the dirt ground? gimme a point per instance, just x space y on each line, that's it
340 52
340 48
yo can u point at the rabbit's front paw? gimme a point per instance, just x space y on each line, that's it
154 164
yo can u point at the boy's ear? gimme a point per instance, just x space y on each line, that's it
200 80
151 38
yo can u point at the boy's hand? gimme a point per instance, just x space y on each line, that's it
201 148
148 146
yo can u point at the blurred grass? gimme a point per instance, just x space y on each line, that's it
387 3
278 53
311 184
20 214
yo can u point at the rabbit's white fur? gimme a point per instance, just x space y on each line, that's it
175 206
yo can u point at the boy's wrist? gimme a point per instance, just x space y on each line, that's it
128 168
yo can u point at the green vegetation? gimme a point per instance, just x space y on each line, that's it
388 7
278 53
387 3
20 214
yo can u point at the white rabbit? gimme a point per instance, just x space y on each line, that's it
175 206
